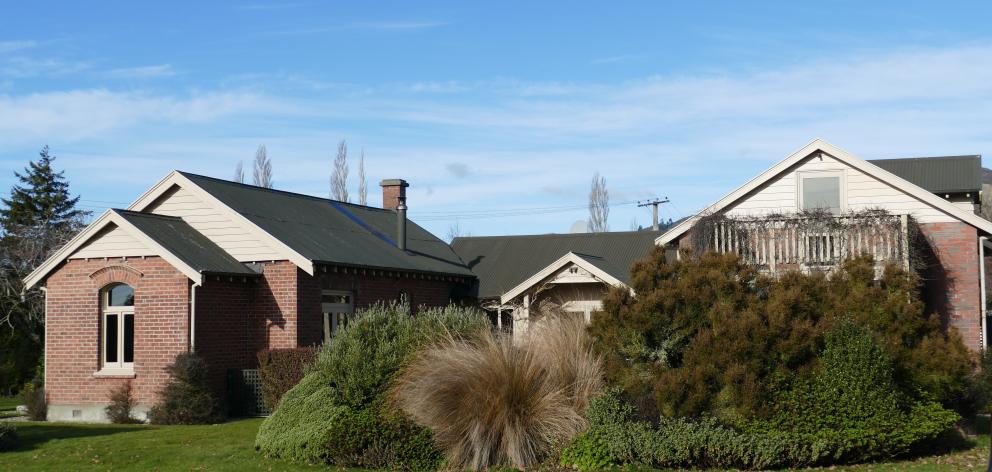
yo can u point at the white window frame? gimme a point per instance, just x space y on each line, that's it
841 184
336 314
118 367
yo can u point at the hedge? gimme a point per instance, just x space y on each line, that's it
280 370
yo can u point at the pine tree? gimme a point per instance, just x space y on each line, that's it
41 200
38 217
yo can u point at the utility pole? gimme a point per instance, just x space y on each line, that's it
654 210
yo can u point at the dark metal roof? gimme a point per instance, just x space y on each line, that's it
330 231
186 243
948 174
503 262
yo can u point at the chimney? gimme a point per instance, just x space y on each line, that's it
394 198
393 192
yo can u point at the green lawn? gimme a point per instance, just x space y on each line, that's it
60 446
228 446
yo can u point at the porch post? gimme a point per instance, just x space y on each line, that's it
904 236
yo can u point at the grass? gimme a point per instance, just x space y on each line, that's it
61 446
228 446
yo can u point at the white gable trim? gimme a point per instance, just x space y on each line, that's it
175 178
819 145
570 258
107 218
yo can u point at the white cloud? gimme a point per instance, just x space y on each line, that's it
142 72
12 46
81 114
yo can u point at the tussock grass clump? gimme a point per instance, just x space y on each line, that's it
491 402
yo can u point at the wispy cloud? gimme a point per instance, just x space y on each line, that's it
83 114
12 46
142 72
25 67
361 26
619 59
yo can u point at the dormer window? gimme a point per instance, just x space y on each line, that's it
822 191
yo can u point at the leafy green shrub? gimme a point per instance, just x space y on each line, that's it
491 401
186 399
8 436
280 369
709 335
338 413
616 438
852 404
121 402
34 399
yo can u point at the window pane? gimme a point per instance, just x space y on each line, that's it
821 192
110 342
335 298
121 295
129 338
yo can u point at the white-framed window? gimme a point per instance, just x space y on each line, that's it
822 190
337 306
117 328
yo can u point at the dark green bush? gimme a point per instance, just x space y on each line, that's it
710 335
339 414
852 405
121 403
616 438
34 399
280 369
186 399
8 436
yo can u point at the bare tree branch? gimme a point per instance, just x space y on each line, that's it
363 184
239 172
339 176
263 168
599 205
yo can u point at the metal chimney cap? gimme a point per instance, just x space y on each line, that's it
393 183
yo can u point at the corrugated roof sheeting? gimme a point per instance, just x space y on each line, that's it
186 243
324 230
503 262
948 174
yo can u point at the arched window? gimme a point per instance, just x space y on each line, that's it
117 328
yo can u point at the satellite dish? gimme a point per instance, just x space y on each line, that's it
579 226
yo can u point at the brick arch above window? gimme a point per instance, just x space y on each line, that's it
117 273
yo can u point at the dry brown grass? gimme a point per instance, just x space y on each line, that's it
491 402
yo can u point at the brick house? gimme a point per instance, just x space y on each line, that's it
225 270
928 205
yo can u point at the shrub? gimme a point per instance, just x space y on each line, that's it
34 399
121 403
615 438
186 399
338 414
710 335
852 405
280 369
8 436
491 402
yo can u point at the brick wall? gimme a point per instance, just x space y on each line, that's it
222 326
952 287
72 343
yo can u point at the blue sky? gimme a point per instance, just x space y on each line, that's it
493 111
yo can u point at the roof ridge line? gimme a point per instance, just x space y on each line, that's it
275 190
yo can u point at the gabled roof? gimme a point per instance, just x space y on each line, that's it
503 262
590 263
171 238
944 174
819 145
329 231
186 243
